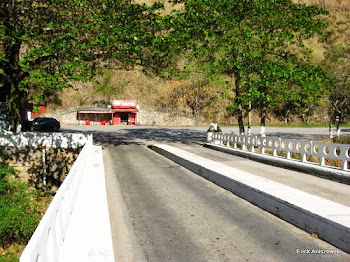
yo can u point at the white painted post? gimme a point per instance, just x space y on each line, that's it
253 149
274 152
209 137
304 158
262 131
44 167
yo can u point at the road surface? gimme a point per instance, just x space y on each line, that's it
163 212
140 134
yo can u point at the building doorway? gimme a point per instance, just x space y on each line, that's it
124 118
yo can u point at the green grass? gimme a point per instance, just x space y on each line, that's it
9 257
21 209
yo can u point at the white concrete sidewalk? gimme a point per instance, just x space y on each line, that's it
88 237
330 220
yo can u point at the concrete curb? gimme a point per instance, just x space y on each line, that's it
324 172
330 220
89 236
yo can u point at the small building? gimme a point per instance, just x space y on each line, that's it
121 112
29 113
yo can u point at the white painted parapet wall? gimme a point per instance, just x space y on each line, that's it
46 242
340 152
33 139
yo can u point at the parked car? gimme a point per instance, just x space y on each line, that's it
26 125
45 124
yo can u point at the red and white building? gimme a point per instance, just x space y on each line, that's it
121 112
29 113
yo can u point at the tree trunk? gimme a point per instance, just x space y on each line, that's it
239 109
249 118
15 105
13 75
286 116
330 129
240 119
263 120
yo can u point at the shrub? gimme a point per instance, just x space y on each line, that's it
5 171
218 130
342 140
19 212
9 257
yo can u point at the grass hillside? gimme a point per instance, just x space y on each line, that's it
340 5
203 101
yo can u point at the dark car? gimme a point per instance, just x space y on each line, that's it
45 124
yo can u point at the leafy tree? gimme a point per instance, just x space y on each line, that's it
337 63
46 45
291 85
249 41
306 90
194 94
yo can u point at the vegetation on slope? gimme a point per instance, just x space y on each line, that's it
21 209
136 40
340 5
46 45
174 94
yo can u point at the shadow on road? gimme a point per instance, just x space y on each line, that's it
144 136
114 135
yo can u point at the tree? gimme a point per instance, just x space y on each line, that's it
46 45
307 89
337 63
292 84
195 94
249 41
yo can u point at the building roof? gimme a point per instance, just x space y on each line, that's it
96 111
108 111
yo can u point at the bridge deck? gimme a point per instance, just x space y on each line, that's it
302 207
308 183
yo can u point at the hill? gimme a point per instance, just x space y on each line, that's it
339 5
196 98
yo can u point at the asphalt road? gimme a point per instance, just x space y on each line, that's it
163 212
142 134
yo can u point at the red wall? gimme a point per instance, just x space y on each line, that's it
132 119
29 108
42 112
116 119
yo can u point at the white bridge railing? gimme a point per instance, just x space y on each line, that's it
34 139
48 237
281 147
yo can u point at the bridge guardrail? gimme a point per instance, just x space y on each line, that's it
45 243
285 147
33 139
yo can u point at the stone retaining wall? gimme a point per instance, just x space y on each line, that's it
145 117
29 162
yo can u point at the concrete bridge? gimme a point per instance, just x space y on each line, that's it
156 194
